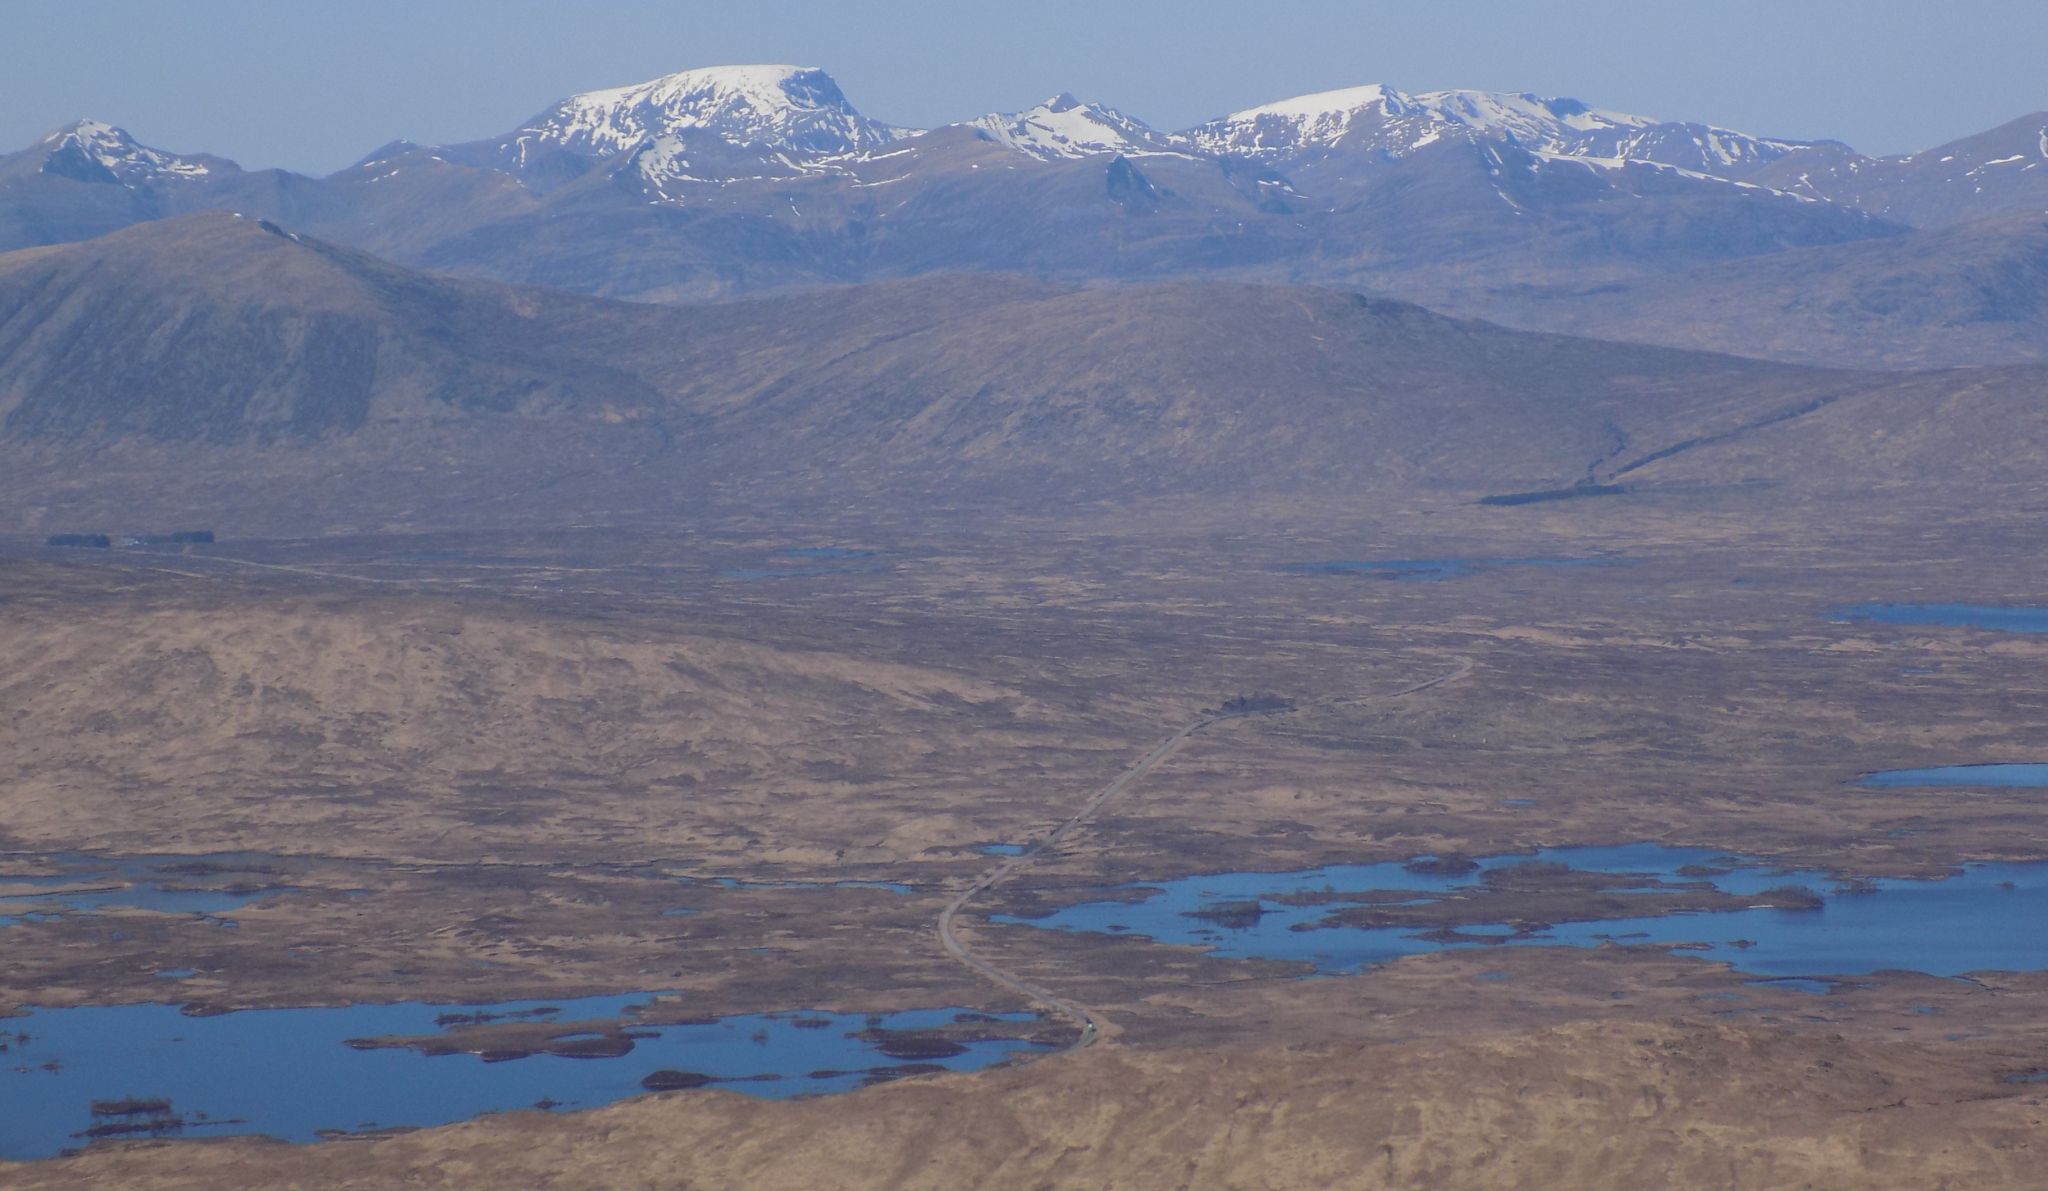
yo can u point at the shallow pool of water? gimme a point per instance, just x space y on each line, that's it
803 561
289 1073
1426 569
825 552
2027 775
1986 918
2004 618
749 573
208 885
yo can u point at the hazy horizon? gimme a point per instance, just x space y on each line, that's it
314 91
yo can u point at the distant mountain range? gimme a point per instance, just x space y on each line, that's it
915 319
739 180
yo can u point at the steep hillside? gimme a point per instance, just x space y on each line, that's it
1193 386
220 327
230 368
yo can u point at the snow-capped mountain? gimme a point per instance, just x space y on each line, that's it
747 179
89 178
1383 120
95 151
797 110
1063 126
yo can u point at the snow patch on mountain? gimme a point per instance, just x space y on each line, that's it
1064 127
98 151
1621 165
674 168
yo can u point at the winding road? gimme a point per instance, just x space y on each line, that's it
1090 1023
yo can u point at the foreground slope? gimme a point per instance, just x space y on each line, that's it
375 717
1608 1104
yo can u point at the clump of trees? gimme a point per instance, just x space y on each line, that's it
131 1106
1254 704
1443 864
132 1116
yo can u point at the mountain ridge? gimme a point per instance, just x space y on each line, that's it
724 182
226 371
801 111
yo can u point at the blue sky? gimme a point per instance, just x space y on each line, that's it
313 86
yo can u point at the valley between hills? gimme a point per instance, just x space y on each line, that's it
1018 726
